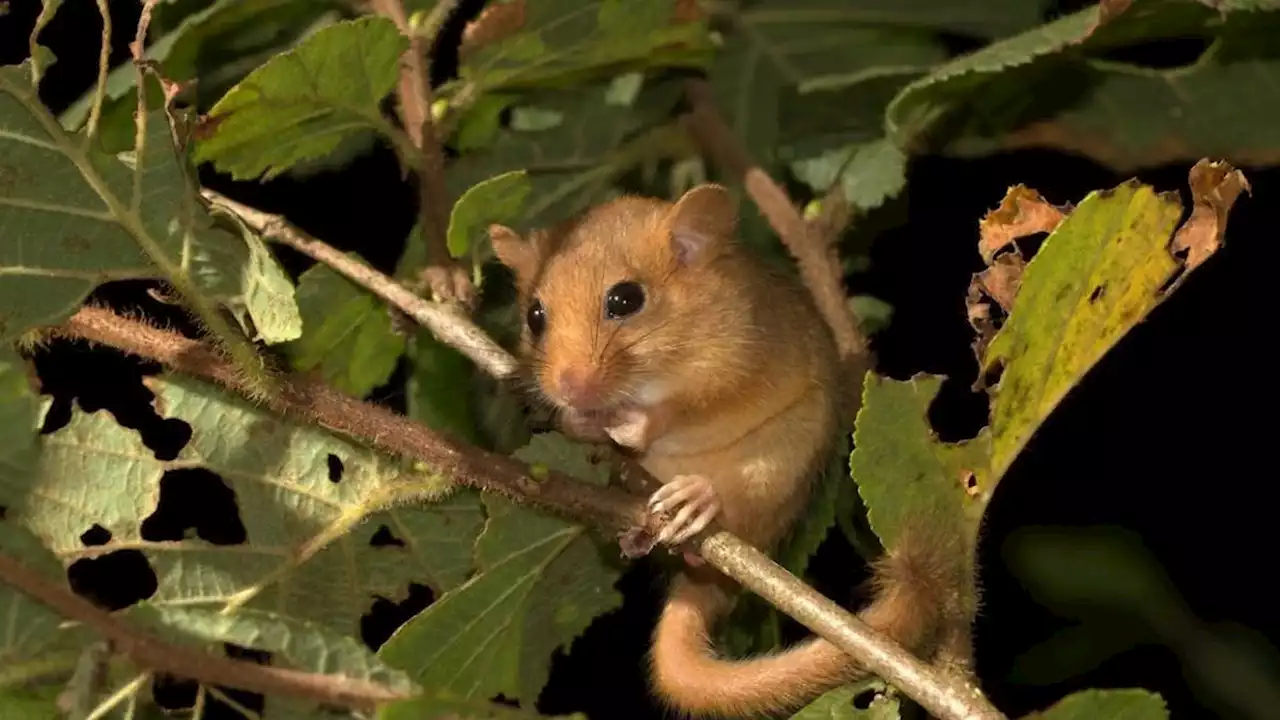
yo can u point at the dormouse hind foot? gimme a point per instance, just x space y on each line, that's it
695 503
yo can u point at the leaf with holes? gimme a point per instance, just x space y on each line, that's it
348 335
293 643
308 504
1109 704
839 704
1129 117
34 641
572 164
542 581
301 104
74 218
557 42
905 475
1105 267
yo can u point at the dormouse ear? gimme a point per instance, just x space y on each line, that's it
518 254
703 219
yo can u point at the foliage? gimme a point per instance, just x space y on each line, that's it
555 105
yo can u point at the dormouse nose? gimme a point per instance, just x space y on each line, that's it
579 385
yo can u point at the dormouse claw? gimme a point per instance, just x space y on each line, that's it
694 500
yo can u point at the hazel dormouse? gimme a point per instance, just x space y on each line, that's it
647 323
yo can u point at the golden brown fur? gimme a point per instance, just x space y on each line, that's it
736 374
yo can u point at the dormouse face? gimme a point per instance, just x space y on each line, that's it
618 308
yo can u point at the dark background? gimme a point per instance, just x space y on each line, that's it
1169 436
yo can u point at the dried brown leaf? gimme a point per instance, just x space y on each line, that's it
999 284
1215 185
1023 212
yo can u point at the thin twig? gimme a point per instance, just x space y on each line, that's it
816 256
104 65
448 324
154 654
605 508
943 695
446 278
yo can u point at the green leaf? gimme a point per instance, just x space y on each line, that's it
75 218
427 707
1128 704
21 412
292 642
1129 117
838 704
348 333
565 41
208 43
873 313
310 504
868 174
26 704
301 104
784 59
542 581
478 124
440 387
559 453
927 100
496 200
571 166
991 18
262 292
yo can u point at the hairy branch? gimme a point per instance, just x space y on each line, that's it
446 278
154 654
315 403
815 252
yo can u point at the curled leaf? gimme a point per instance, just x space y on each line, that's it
1022 212
1214 189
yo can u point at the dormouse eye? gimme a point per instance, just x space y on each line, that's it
536 319
623 299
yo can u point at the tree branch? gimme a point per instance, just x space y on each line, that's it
815 252
154 654
316 403
446 278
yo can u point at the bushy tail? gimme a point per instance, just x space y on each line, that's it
915 585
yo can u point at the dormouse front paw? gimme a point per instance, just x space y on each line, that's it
693 499
630 429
